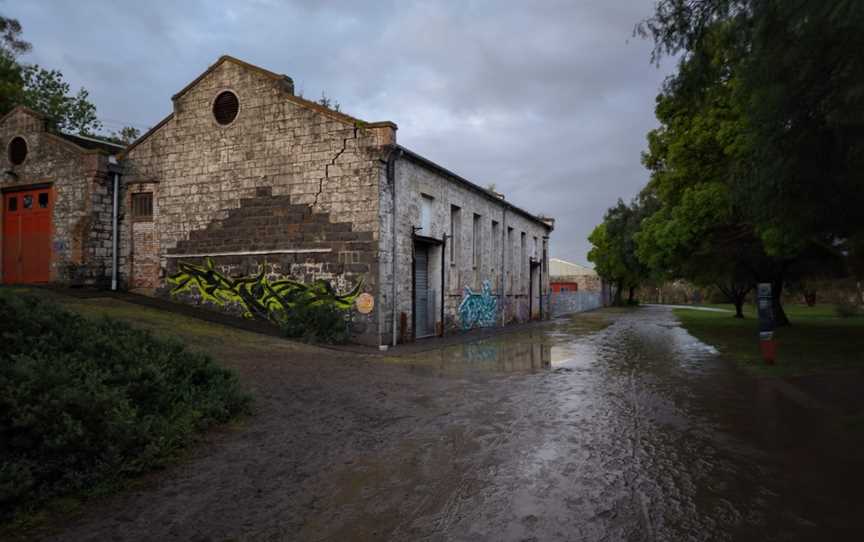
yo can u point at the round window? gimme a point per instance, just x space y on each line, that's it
17 150
225 107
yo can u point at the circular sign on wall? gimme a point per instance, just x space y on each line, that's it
365 303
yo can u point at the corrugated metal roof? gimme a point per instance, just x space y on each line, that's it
93 143
562 268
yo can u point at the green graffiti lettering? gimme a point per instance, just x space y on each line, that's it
259 297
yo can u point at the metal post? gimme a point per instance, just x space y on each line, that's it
766 323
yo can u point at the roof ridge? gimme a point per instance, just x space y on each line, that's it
24 109
95 139
289 95
229 58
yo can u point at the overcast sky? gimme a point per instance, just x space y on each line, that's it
549 100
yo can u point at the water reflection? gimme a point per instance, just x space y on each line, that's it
529 353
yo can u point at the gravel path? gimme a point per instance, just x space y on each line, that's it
636 432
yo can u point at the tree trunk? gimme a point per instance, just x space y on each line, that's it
780 318
739 306
617 300
736 295
631 295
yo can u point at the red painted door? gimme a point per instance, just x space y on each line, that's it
27 236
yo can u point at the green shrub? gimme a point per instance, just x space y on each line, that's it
317 322
847 309
84 403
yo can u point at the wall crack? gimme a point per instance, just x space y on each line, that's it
332 163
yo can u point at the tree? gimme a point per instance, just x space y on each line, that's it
699 232
40 89
790 155
11 83
11 80
126 135
799 66
10 38
613 251
46 91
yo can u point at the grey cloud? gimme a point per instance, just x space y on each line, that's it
548 100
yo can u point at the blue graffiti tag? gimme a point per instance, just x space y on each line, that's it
478 309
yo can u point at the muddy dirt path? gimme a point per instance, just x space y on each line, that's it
636 432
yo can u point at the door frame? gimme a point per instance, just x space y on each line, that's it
428 243
534 263
49 185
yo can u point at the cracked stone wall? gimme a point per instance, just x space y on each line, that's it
201 173
81 188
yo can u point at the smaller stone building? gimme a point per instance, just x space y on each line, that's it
574 288
57 203
567 276
249 199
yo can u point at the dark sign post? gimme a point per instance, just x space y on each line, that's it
766 323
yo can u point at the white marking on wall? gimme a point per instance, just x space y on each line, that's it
253 252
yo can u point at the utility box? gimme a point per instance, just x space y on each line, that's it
765 308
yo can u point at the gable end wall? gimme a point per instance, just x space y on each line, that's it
277 155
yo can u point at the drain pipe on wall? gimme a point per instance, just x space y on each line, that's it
504 251
543 281
115 213
443 273
391 177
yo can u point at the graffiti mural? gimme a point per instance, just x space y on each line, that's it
478 309
257 296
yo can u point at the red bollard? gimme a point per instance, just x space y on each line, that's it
768 347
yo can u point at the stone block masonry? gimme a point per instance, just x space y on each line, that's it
284 175
485 253
80 237
246 198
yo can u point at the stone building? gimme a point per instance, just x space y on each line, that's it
249 199
574 288
567 276
57 203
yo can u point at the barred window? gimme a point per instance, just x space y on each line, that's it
225 107
142 206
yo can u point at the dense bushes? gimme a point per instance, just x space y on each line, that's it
317 322
86 402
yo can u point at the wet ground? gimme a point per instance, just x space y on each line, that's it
559 432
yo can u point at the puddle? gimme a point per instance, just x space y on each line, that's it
526 352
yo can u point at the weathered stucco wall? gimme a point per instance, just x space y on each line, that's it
279 152
505 269
81 222
563 303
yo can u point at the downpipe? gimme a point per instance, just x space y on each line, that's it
391 177
115 215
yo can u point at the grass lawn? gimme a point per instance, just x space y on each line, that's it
196 334
817 341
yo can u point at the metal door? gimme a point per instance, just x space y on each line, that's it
27 236
421 292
